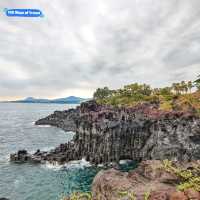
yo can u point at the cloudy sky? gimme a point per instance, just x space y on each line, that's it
80 45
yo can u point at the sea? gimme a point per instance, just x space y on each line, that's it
38 181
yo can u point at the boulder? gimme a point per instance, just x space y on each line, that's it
149 177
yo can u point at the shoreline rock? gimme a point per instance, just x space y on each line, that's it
104 134
148 179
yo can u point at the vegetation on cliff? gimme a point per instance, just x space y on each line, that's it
197 83
183 96
188 178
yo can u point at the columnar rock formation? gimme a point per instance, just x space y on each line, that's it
104 134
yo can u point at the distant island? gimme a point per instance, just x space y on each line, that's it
66 100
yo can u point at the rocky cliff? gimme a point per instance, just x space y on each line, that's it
105 134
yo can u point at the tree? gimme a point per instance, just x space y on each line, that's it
197 83
146 90
156 91
190 86
183 87
165 91
132 89
176 87
102 93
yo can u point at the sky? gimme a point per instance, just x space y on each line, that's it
80 45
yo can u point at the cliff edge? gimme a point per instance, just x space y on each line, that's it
105 134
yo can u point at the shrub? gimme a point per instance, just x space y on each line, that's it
189 179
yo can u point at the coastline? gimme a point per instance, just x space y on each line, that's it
104 135
96 124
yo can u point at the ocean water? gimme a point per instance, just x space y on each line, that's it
36 182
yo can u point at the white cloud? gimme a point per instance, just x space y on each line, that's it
80 45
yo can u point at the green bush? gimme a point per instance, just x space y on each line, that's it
189 179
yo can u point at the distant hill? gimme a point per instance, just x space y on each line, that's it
67 100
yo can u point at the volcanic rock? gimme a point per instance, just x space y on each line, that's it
149 179
106 134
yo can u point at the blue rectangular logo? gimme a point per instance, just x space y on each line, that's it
23 13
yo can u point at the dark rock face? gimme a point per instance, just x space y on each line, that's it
105 134
61 119
24 156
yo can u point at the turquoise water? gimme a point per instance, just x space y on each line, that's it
36 182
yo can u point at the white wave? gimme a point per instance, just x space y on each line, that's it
18 181
42 149
5 159
47 148
122 162
76 164
44 126
53 166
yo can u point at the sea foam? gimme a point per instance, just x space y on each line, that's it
44 126
76 164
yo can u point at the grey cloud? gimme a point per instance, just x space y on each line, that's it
184 53
80 45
